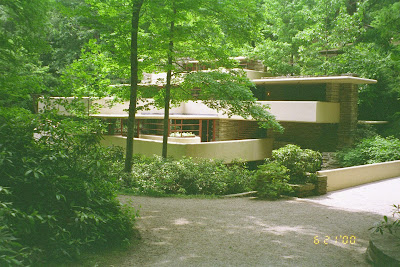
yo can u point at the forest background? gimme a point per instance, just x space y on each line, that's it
64 48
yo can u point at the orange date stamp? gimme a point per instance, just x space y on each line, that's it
336 239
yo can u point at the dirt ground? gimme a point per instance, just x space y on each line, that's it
245 232
248 232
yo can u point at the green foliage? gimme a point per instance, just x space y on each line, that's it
229 92
364 131
62 185
393 128
22 40
157 176
90 75
299 162
271 180
370 150
387 225
334 37
11 251
70 28
288 164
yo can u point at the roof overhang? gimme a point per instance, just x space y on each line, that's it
314 80
160 116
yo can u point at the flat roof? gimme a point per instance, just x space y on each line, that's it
158 116
314 80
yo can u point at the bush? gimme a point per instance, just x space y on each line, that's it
364 131
271 180
299 162
62 186
11 251
386 224
371 150
393 128
157 176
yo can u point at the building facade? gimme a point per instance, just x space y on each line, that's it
317 112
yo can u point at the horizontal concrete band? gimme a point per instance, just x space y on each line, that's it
293 111
357 175
245 150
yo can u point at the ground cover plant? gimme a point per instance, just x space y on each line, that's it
158 176
389 225
370 150
57 189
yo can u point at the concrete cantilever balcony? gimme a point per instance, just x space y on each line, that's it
290 111
305 111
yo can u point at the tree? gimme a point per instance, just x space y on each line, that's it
136 7
278 45
168 85
186 30
332 37
168 33
90 75
22 40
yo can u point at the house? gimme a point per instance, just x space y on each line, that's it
317 112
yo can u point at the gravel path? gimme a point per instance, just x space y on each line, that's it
246 232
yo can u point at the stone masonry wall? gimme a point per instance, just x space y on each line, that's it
348 114
238 129
322 137
227 130
333 92
347 96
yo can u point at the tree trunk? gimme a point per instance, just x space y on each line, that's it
168 91
136 6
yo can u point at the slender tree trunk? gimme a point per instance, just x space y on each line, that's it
136 6
168 91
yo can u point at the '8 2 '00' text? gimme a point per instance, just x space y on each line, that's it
343 239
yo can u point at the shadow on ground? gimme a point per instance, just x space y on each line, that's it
245 232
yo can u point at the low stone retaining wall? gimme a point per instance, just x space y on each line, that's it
352 176
303 190
310 189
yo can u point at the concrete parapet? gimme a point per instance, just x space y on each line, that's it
245 150
357 175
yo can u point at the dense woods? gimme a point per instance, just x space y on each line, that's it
80 47
60 182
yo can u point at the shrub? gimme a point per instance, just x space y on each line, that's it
157 176
62 186
11 251
370 150
393 128
299 162
364 131
238 178
386 224
271 180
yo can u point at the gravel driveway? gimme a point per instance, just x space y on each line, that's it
247 232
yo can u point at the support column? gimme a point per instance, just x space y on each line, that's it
348 114
333 92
